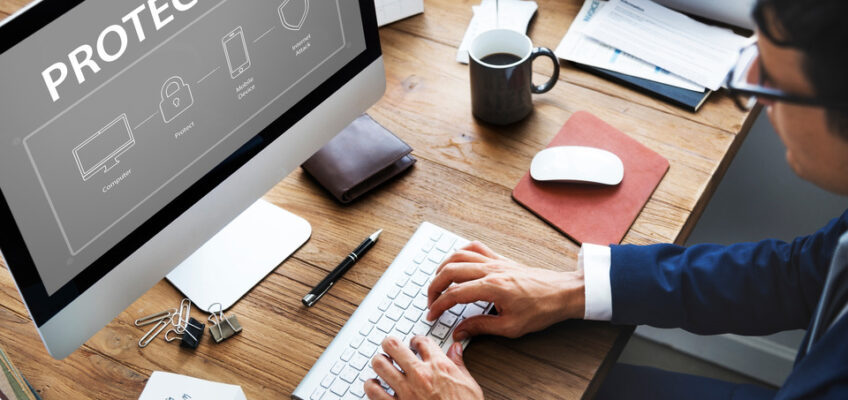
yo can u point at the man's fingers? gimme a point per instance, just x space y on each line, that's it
454 273
455 355
425 347
376 392
481 325
462 293
481 248
386 370
403 356
463 256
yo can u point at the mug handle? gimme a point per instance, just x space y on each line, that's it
544 51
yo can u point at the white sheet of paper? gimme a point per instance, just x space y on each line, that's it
389 11
701 53
514 14
168 386
577 47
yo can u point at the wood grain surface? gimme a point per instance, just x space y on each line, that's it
462 182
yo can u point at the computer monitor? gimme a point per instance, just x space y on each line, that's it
135 130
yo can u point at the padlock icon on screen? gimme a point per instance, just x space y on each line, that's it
176 98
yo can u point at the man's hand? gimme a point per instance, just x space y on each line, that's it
527 299
435 376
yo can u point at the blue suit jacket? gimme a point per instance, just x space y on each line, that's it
750 289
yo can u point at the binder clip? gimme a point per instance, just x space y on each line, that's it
223 327
191 333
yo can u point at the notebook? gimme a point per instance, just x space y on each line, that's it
593 213
687 99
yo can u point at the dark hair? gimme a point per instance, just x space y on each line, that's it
819 30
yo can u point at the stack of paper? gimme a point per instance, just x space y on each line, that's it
389 11
643 39
164 385
509 14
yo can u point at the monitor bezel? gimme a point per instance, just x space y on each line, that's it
19 261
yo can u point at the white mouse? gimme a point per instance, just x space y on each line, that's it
577 164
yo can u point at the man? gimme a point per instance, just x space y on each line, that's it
751 289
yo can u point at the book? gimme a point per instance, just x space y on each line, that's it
690 100
591 213
13 385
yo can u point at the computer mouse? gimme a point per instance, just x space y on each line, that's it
577 164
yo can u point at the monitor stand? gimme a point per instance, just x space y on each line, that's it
239 256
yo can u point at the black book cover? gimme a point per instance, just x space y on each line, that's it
687 99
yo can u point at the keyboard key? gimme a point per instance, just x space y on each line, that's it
339 387
420 328
337 367
403 301
482 304
366 329
357 341
436 257
404 326
402 281
457 309
349 374
411 269
428 323
448 319
384 305
368 349
420 278
347 354
376 336
471 311
375 316
419 258
428 246
413 314
429 267
367 373
394 292
359 361
420 302
317 394
440 331
328 380
394 313
446 244
386 325
411 290
357 389
436 236
351 396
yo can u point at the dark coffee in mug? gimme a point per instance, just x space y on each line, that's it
501 68
501 59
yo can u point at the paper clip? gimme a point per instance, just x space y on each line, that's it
219 330
153 318
153 332
184 315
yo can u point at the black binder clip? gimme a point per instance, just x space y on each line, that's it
191 333
222 327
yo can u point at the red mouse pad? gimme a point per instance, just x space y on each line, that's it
594 213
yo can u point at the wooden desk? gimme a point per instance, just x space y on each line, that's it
463 181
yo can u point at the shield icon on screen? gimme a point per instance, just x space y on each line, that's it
293 13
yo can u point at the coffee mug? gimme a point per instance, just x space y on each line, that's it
501 65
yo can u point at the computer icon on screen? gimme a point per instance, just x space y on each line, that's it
101 150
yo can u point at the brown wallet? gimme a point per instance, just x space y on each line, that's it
361 157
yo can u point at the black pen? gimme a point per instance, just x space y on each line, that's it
310 299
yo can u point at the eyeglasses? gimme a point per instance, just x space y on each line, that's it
747 82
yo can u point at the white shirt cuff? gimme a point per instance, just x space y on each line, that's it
595 262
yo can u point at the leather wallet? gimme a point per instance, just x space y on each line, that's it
360 158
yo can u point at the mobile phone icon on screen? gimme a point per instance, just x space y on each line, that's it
235 49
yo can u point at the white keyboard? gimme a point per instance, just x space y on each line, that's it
396 306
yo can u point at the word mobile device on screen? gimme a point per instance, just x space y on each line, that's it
138 136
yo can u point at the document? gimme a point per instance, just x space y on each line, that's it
577 47
168 386
513 14
668 39
733 12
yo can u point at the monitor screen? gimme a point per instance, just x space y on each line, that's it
118 115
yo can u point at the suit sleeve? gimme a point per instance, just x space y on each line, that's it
748 288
